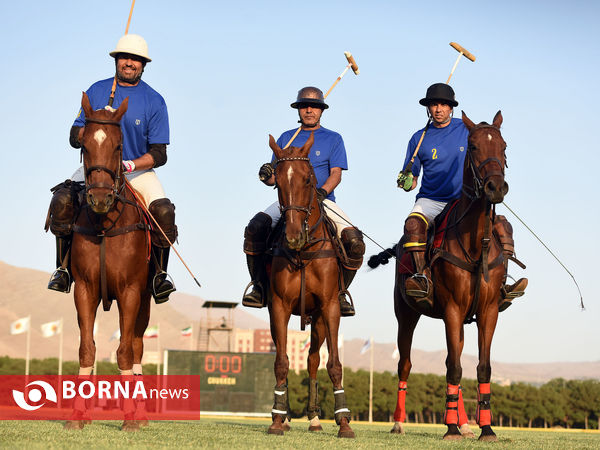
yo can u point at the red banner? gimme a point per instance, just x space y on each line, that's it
99 397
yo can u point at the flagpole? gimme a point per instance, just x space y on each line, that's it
95 369
192 337
158 348
371 386
341 338
28 345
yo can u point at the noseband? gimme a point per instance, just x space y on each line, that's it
116 176
478 180
303 209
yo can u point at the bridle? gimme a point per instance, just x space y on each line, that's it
479 181
306 210
116 186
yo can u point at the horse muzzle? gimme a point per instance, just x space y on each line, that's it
495 189
297 241
100 205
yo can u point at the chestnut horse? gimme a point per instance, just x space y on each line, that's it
304 280
467 274
109 252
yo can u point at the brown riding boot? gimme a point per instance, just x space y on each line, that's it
419 285
504 232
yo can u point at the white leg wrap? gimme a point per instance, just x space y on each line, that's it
86 370
137 369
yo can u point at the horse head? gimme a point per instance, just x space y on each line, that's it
102 150
486 159
296 187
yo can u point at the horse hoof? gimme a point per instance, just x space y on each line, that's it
315 428
397 428
488 437
275 431
466 431
452 437
347 433
286 426
130 425
142 422
74 425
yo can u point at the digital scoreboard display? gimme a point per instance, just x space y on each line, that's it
229 382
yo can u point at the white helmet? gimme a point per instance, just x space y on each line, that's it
132 44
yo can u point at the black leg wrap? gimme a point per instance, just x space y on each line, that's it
163 212
281 403
256 234
341 408
313 410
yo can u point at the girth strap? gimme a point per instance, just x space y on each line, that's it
112 232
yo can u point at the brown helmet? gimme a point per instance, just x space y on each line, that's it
310 96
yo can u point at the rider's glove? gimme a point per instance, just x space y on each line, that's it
405 180
265 172
321 194
129 166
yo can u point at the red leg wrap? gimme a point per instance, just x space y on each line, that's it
400 413
462 414
484 411
452 396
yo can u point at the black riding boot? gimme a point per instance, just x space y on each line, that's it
162 284
257 297
61 278
346 308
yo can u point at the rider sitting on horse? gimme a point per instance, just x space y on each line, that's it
442 155
328 158
145 128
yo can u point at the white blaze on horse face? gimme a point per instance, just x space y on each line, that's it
100 136
489 137
290 173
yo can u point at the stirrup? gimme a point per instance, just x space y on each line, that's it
419 293
57 275
512 294
162 297
346 307
250 301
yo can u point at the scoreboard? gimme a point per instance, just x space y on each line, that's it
229 382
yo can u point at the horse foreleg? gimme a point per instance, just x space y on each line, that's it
141 324
331 318
279 317
486 325
317 336
455 343
407 321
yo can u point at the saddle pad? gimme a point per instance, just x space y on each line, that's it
441 226
405 265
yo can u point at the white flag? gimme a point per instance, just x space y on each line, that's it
51 328
366 346
396 353
19 326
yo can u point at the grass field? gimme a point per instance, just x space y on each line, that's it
251 433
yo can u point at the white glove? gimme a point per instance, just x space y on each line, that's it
129 166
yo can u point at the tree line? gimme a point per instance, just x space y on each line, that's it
557 403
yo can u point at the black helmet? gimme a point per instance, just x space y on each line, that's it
310 96
441 92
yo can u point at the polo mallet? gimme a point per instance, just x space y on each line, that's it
111 99
351 64
405 178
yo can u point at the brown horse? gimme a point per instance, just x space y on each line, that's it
304 280
467 274
109 251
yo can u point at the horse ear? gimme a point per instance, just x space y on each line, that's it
498 119
122 109
307 145
85 104
468 122
276 149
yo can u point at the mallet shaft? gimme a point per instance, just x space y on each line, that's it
454 68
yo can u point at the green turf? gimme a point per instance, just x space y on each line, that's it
240 433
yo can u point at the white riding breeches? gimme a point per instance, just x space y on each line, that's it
333 211
428 208
145 182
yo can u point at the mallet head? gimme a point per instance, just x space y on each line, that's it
352 63
462 50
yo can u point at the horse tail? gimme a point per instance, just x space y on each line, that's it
382 258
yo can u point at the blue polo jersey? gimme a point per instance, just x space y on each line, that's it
442 157
145 122
327 151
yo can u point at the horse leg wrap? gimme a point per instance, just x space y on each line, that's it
281 403
256 234
462 413
341 408
484 410
352 239
163 212
63 208
452 397
415 233
400 412
313 410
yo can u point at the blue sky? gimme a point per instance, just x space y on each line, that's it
228 72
